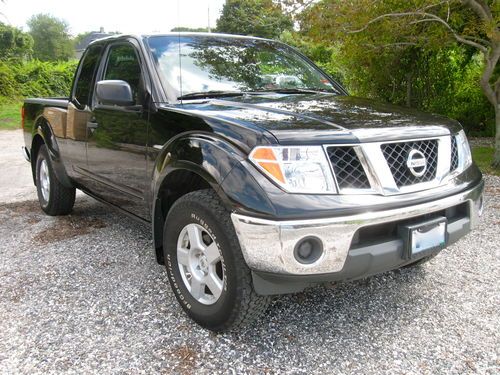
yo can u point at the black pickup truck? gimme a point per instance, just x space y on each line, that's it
259 174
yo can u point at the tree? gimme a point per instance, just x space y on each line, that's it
14 43
180 29
51 38
262 18
403 27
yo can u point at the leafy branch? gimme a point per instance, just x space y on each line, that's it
490 48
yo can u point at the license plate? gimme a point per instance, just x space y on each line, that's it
424 238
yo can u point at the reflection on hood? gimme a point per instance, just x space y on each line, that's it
316 112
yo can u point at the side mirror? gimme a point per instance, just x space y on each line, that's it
114 92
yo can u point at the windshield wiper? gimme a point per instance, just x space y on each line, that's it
298 91
210 94
221 94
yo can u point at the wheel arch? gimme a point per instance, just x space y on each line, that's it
178 183
188 163
43 135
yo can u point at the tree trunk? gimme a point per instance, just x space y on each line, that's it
496 158
409 78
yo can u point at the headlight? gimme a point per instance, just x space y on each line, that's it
296 169
464 154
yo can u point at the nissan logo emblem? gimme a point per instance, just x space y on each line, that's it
416 163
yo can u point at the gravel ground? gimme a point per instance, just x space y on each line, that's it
83 294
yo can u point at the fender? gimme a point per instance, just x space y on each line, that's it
209 157
44 130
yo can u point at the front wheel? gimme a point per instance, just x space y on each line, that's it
205 265
55 198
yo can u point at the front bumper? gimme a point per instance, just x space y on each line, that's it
268 246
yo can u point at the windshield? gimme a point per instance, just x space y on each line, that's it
218 64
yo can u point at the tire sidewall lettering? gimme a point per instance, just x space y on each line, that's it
171 261
205 226
176 288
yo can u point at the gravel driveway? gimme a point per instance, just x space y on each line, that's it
83 294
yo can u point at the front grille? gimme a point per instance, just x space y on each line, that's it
396 155
347 167
454 154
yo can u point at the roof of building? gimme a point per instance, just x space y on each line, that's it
89 39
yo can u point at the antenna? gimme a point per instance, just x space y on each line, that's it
179 43
209 17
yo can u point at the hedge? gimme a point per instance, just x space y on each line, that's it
35 79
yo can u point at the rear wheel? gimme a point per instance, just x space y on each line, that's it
55 198
205 265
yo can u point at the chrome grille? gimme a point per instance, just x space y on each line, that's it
454 154
347 167
396 155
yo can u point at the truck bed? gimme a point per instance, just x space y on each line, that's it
48 102
65 120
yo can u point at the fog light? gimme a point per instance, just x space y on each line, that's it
308 250
305 249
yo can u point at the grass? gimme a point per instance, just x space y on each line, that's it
10 115
483 156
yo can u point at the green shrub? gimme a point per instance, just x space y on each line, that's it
39 79
8 84
35 79
449 85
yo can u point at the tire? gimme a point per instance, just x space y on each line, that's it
55 199
237 305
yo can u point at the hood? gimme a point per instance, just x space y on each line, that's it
319 118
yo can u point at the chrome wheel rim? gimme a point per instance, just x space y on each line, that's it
44 180
200 264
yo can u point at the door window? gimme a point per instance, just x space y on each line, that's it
85 78
124 65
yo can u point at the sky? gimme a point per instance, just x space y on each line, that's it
127 16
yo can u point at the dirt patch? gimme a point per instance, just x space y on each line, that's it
185 357
20 208
61 228
33 220
492 190
106 263
15 292
66 227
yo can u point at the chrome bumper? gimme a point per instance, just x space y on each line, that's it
268 246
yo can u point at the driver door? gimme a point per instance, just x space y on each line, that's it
117 136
